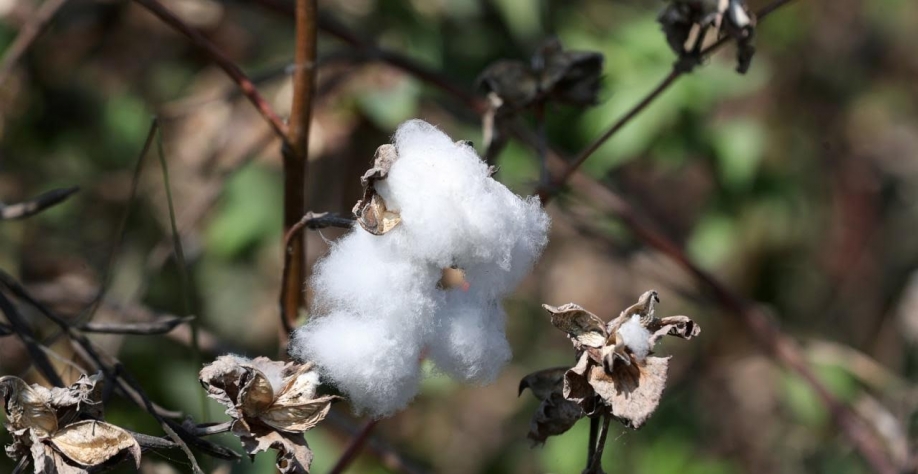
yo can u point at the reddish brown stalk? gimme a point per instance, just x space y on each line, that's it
353 448
27 36
296 159
229 67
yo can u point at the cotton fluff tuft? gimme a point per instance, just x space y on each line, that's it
377 310
636 337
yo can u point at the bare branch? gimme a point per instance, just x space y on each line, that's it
296 161
229 67
162 326
35 205
27 36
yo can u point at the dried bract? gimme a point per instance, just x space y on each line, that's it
615 375
371 211
555 414
686 23
60 428
272 404
570 77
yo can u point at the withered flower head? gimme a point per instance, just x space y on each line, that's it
687 21
61 428
571 77
615 373
272 404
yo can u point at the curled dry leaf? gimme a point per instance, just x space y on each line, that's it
582 326
615 374
555 414
91 443
60 427
371 211
571 77
272 404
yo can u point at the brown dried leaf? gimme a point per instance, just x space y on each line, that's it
297 417
576 386
293 454
84 397
48 461
91 443
372 214
554 416
512 81
297 387
544 382
28 407
679 326
633 391
572 77
383 159
223 379
581 325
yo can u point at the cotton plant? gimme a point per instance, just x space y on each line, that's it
617 375
380 307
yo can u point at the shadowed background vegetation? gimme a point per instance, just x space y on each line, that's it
795 184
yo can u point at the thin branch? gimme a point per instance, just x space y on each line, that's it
162 326
591 442
596 466
353 448
295 234
390 458
27 36
296 160
229 67
33 206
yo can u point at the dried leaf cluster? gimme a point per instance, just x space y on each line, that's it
688 21
61 428
570 77
272 404
614 376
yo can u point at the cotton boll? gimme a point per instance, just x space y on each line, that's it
449 206
636 337
470 344
375 364
362 276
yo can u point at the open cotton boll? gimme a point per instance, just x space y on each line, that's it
636 337
449 206
374 363
469 343
361 277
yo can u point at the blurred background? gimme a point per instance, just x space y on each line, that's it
795 184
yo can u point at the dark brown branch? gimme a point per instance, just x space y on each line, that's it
35 205
296 160
27 36
229 67
162 326
353 448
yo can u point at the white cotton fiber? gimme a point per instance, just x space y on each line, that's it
377 307
470 344
373 362
636 337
